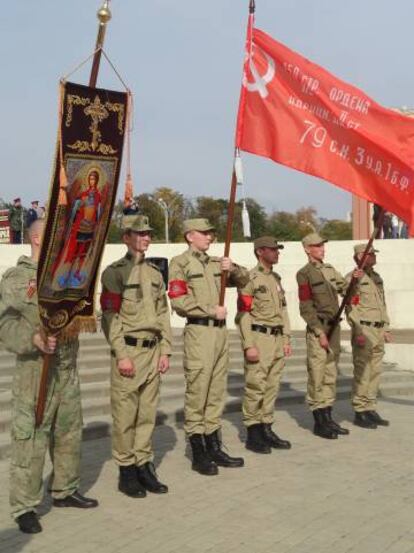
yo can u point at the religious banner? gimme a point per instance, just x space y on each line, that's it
83 191
297 114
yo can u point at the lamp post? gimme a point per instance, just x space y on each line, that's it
164 207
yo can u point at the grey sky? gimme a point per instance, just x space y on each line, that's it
183 61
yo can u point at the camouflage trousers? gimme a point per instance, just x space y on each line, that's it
322 370
61 430
262 380
367 369
134 402
206 359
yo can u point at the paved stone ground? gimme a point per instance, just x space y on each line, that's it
352 495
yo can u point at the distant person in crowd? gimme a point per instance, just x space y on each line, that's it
375 219
16 221
403 229
131 208
394 226
32 213
368 318
387 225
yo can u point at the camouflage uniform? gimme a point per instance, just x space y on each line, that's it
136 323
194 290
263 323
368 317
61 428
16 223
319 286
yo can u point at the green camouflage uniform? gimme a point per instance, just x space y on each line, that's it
135 308
61 428
367 315
262 303
319 286
15 218
194 292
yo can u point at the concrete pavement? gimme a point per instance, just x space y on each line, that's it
351 495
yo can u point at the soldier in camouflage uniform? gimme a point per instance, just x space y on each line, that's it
194 292
136 323
16 221
265 333
61 428
368 317
319 285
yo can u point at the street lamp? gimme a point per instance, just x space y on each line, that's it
164 207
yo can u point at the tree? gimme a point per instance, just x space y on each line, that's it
337 230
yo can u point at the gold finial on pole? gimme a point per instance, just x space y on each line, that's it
104 15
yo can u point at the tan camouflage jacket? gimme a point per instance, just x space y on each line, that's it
367 302
319 285
194 283
134 303
262 301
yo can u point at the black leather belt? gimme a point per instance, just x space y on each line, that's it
327 321
272 330
144 343
204 321
375 324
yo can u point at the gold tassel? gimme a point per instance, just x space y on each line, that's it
63 185
129 193
78 325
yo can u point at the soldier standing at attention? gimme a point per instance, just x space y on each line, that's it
319 285
367 315
194 290
16 221
265 333
61 428
136 323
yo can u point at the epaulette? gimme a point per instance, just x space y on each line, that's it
277 275
328 265
152 265
119 263
215 259
181 259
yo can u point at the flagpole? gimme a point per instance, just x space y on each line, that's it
232 201
104 15
354 280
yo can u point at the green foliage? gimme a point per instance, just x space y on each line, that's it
337 230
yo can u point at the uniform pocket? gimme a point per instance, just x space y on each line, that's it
22 433
192 372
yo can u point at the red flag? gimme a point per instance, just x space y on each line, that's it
296 113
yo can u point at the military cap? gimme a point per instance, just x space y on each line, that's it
35 202
202 225
360 248
136 223
17 200
313 239
267 242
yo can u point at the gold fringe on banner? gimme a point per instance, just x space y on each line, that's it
63 180
79 324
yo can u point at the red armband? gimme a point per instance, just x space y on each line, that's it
111 301
177 289
354 300
244 303
305 292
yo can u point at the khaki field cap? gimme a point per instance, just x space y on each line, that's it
136 223
202 225
360 248
313 239
267 242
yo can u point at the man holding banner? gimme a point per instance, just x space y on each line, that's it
61 429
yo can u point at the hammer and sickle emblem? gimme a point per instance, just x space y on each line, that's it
260 81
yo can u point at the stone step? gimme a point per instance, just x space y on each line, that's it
97 420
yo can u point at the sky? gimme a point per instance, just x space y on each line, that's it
183 61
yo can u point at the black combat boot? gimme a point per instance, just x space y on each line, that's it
321 427
363 420
374 416
201 460
76 500
255 439
128 482
29 523
147 477
273 439
220 457
334 425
